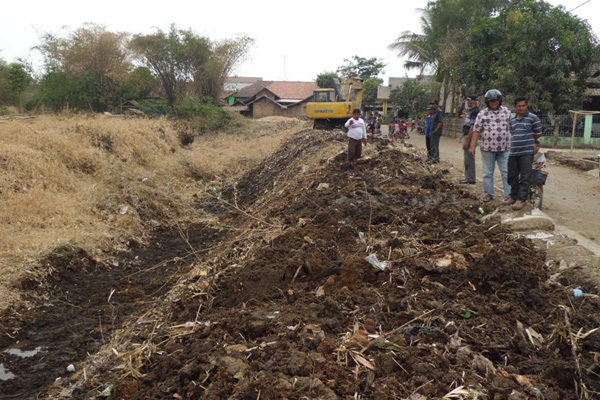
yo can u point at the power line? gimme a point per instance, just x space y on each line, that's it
579 5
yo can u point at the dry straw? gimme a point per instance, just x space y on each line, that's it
96 182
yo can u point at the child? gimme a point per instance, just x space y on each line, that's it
395 130
357 135
404 129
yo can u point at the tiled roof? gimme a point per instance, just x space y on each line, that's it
292 90
253 89
242 79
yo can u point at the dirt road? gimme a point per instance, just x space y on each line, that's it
571 196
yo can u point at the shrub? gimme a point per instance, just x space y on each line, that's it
202 117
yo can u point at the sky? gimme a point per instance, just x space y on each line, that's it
294 40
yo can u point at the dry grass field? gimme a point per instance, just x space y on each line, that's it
97 182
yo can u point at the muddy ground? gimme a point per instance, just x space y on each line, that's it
285 306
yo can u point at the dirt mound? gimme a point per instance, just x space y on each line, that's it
295 311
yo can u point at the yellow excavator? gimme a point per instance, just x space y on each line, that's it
331 107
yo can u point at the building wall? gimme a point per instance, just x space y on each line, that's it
266 108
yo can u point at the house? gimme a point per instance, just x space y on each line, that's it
279 98
131 107
234 84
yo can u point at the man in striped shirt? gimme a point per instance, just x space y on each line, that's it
525 127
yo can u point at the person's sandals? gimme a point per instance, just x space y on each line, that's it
509 201
487 198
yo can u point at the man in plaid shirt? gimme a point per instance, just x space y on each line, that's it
493 125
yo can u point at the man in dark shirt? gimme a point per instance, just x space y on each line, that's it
525 127
467 136
436 131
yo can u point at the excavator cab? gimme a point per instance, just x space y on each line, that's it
324 96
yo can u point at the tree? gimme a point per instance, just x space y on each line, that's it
180 58
139 83
18 78
412 97
94 61
224 57
361 68
547 57
519 46
4 89
325 79
370 90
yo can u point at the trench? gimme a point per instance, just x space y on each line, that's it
81 303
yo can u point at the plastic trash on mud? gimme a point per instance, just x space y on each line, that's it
380 265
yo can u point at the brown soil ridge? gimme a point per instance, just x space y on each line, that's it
292 310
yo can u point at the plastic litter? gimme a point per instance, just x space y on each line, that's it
380 265
577 293
108 391
70 368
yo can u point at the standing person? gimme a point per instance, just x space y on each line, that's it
428 132
371 128
437 125
526 127
378 122
467 129
357 135
493 125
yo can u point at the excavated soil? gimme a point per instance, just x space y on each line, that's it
289 308
84 302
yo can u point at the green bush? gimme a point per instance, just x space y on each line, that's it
154 108
203 116
4 111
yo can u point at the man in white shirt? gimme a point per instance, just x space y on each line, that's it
357 135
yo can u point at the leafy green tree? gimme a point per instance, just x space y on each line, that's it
547 55
363 68
138 85
370 90
325 79
522 47
19 78
413 97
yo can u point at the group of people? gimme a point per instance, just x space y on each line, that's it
504 140
511 142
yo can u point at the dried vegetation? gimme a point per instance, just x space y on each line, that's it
97 183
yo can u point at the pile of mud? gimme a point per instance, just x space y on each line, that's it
291 309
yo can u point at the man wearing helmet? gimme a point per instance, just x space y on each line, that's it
493 125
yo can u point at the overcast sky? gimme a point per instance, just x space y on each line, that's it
295 40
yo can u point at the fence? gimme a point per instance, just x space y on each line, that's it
564 125
587 130
453 126
596 126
